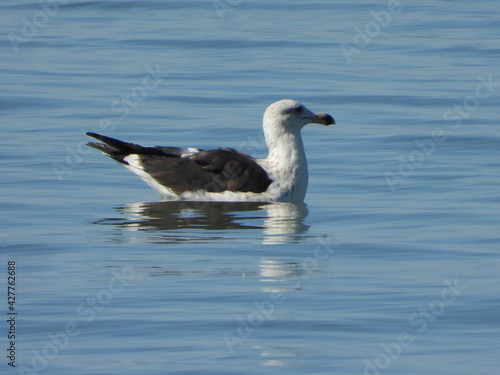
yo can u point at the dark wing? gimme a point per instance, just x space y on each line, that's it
183 170
117 149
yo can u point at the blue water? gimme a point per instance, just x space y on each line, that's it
390 266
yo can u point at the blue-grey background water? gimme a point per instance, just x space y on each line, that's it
390 267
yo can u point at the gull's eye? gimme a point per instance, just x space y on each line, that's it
298 110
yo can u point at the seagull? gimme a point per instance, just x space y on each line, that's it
224 174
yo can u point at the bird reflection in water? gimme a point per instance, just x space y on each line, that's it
279 276
179 221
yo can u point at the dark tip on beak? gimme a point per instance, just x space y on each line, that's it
329 120
323 118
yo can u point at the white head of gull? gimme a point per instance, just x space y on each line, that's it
286 163
225 174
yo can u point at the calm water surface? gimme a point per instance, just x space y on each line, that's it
389 267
